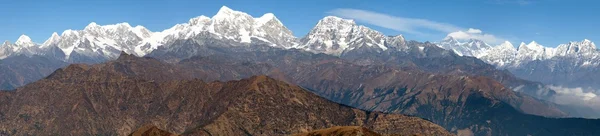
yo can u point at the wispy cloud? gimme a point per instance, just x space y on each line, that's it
473 33
415 26
402 24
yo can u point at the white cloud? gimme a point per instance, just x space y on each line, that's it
402 24
577 97
473 33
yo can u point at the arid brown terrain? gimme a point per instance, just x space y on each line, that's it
341 131
151 130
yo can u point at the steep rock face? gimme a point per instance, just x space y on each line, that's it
112 99
96 43
233 26
502 55
17 71
472 47
334 35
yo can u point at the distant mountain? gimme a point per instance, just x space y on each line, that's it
19 70
115 99
473 47
574 64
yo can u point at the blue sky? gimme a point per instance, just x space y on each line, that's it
549 22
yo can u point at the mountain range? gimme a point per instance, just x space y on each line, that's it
463 86
574 64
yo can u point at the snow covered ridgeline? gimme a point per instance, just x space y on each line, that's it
506 55
109 40
331 35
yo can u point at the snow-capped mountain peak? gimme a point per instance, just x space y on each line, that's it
501 55
266 18
6 43
200 20
471 47
236 26
24 41
449 40
333 21
507 44
534 51
226 10
54 39
228 14
583 48
534 45
142 32
334 35
91 26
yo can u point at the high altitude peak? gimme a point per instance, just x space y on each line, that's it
533 43
52 40
139 27
225 9
507 44
200 20
6 42
264 19
55 34
335 21
125 24
23 39
225 13
335 18
68 32
92 25
268 16
449 38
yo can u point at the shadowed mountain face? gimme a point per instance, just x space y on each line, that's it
116 98
20 70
